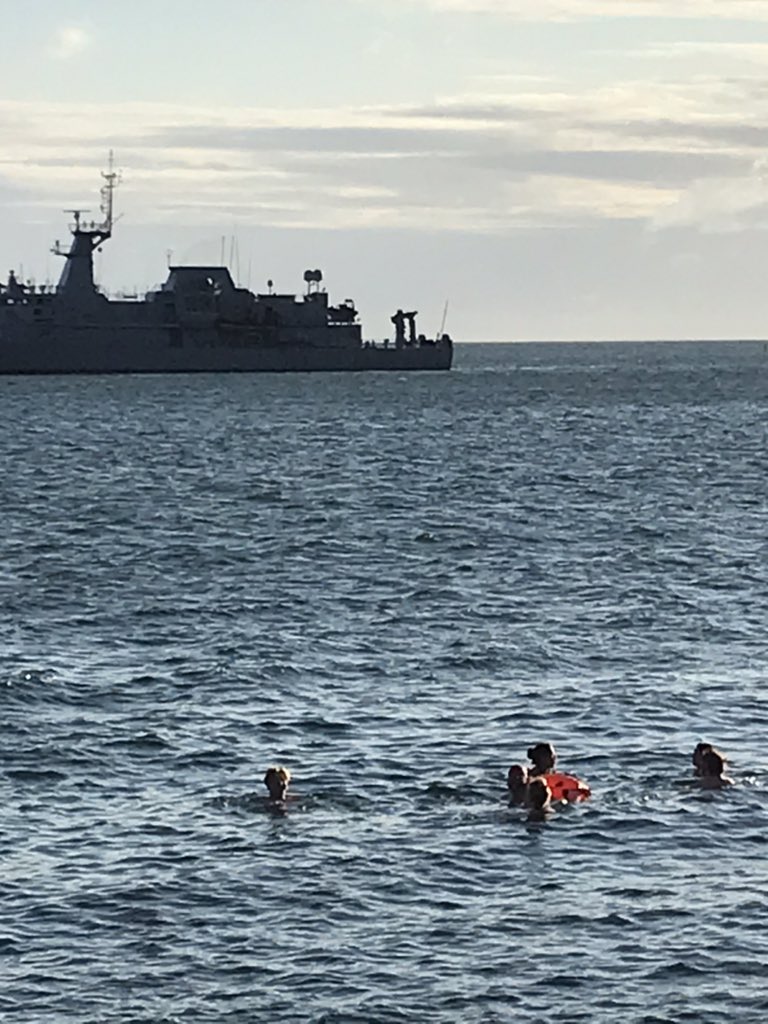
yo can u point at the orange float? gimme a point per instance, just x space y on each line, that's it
566 787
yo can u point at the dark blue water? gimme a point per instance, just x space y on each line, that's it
393 585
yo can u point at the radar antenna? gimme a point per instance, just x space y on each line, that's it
76 214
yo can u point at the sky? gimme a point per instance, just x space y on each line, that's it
525 169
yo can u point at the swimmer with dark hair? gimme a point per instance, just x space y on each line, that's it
517 784
698 753
538 799
543 757
276 779
711 773
561 785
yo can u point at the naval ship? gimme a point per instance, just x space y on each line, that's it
198 320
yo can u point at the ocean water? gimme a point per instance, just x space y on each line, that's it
392 584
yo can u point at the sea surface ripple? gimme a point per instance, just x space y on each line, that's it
393 584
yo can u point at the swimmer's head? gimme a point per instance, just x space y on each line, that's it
517 780
276 780
698 753
517 775
712 763
539 795
543 756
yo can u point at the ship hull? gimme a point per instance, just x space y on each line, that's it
166 351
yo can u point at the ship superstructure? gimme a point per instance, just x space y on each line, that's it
197 320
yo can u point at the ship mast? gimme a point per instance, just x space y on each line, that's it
76 281
111 178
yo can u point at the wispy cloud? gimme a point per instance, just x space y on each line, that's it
657 153
741 52
718 204
69 42
572 10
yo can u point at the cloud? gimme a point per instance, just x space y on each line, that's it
69 42
718 204
505 155
740 52
574 10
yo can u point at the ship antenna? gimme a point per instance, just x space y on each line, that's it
112 180
445 314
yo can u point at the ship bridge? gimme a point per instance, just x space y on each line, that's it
207 291
199 279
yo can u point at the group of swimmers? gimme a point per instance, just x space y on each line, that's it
538 786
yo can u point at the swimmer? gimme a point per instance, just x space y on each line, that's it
538 800
561 785
712 768
517 784
543 757
276 779
698 753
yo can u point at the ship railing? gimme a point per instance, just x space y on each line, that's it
421 340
